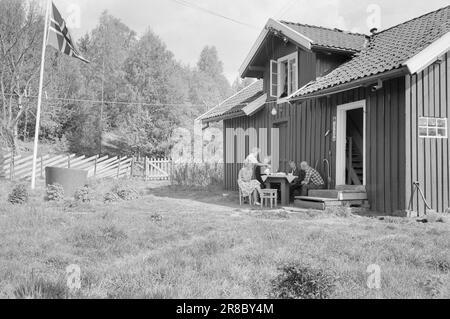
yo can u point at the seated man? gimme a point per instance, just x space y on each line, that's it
296 186
312 180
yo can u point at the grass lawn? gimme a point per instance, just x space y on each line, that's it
174 243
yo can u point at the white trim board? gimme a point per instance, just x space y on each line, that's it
341 140
285 30
201 117
429 55
280 80
255 106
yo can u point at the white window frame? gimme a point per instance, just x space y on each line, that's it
287 58
427 127
272 73
341 140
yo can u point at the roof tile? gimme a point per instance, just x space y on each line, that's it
330 38
234 104
386 51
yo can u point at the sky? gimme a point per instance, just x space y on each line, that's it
186 29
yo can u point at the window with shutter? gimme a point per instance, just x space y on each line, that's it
287 82
273 78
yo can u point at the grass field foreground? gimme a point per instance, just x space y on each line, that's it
179 243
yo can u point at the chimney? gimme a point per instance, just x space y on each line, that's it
374 31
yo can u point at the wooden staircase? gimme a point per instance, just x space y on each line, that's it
354 153
355 163
353 196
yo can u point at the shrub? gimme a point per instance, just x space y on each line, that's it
125 192
299 282
197 175
84 195
39 288
110 198
19 195
439 263
433 285
55 193
156 218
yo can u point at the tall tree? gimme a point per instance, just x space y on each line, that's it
156 79
209 86
240 84
209 62
108 46
21 32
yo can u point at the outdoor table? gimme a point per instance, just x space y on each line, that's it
285 182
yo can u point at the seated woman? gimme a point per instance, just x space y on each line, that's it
263 170
247 185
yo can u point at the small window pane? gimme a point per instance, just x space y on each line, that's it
432 132
441 123
423 121
423 132
432 122
442 132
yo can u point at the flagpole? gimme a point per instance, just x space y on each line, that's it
41 84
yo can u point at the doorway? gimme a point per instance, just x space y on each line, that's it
351 144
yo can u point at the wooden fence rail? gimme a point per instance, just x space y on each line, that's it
20 168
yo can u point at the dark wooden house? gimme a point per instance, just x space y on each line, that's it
369 110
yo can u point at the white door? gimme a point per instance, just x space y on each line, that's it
341 140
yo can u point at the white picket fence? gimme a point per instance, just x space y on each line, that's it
20 168
154 169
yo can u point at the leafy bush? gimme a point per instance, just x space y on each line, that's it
84 195
121 191
19 195
156 218
125 192
439 263
111 198
55 193
198 175
299 282
39 288
433 286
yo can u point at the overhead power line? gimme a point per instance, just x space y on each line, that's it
197 7
107 102
284 9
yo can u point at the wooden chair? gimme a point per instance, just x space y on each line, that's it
270 196
242 198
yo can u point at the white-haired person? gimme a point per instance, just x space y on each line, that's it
312 180
248 185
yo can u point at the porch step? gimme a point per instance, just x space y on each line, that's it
339 195
327 201
317 203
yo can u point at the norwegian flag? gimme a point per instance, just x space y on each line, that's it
59 35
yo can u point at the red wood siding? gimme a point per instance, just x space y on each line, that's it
327 63
427 94
308 121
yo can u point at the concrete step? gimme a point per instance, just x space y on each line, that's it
324 193
309 205
339 195
323 204
351 188
327 201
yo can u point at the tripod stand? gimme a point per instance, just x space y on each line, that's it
416 188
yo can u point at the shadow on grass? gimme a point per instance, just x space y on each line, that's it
215 195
